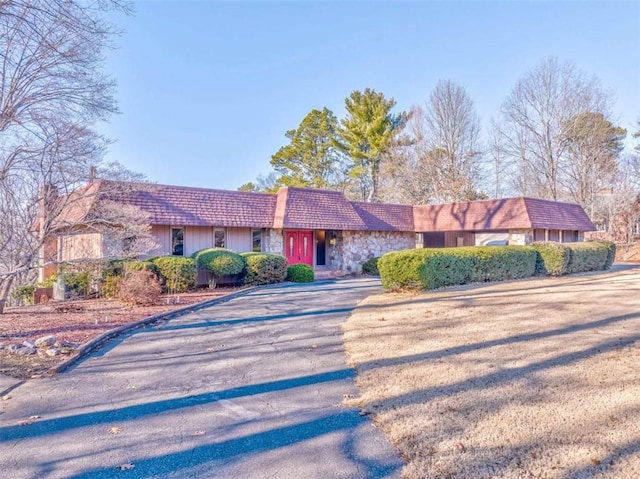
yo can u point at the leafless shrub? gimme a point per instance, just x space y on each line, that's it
139 288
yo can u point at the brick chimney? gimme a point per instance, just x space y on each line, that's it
48 245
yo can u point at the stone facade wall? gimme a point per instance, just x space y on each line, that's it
274 241
335 250
356 247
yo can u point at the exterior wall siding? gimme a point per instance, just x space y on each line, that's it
162 235
197 238
359 246
80 246
239 239
520 237
451 238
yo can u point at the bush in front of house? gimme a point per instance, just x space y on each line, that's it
77 283
264 268
588 257
177 273
499 263
300 273
110 285
403 269
552 258
370 267
137 265
115 270
432 268
220 262
24 293
425 268
139 288
611 252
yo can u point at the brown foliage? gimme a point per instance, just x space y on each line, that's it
139 288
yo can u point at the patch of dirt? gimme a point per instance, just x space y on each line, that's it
533 378
75 322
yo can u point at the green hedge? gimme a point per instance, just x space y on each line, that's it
553 258
220 261
370 267
177 273
587 257
129 266
611 252
300 273
264 268
499 263
426 268
433 268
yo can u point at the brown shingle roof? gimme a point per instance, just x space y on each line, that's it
508 213
180 205
385 217
301 208
547 214
304 208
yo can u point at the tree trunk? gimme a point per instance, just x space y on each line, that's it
375 180
5 287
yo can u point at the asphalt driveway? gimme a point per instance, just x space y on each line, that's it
249 388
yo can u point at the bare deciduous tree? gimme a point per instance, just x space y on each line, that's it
536 116
52 91
441 160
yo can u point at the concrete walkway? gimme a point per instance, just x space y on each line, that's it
251 388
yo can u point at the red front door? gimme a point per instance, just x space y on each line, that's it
298 247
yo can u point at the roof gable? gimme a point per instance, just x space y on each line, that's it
508 213
502 214
302 208
546 214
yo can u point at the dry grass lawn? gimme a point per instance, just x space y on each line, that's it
535 378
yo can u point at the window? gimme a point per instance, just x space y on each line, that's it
256 240
177 241
129 246
219 239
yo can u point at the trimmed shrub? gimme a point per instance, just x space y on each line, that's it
177 273
499 263
220 262
370 267
129 266
587 257
448 267
431 268
552 258
139 288
300 273
264 268
611 252
426 268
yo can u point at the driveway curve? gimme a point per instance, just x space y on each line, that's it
248 388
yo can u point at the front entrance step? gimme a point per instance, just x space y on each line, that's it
324 273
